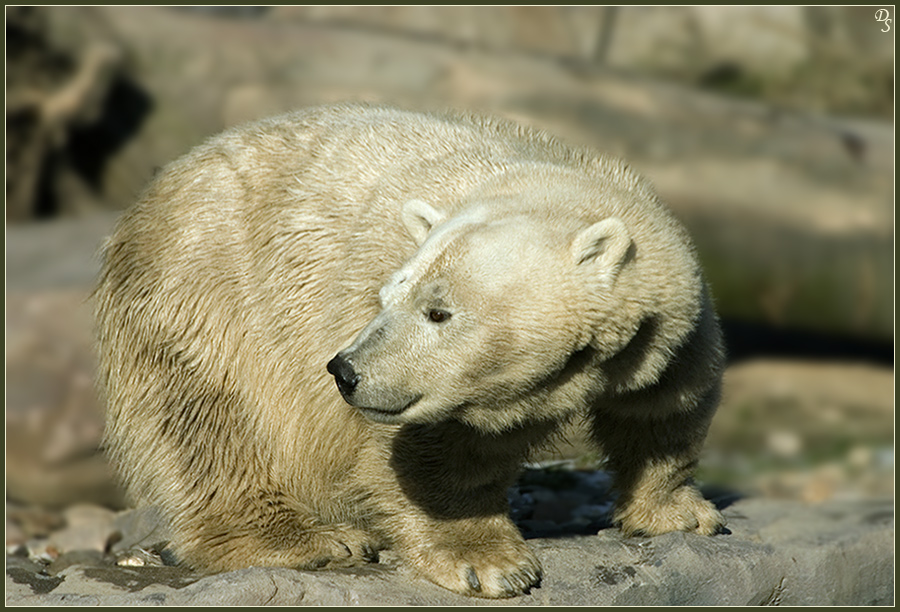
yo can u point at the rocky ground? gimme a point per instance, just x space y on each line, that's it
775 553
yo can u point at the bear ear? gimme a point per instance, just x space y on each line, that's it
420 218
603 245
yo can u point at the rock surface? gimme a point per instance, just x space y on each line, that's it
744 48
53 417
778 553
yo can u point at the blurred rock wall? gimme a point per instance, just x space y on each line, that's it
825 58
81 81
792 210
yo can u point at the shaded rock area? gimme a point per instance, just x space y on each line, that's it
67 112
777 553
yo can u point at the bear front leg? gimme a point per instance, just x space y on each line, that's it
450 515
481 557
653 461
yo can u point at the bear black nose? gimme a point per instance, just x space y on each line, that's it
344 375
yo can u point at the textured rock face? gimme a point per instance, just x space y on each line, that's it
778 553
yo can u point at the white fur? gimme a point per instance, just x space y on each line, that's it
482 283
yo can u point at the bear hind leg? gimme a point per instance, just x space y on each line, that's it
277 536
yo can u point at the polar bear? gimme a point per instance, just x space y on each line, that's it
343 329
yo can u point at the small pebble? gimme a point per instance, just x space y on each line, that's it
17 550
140 557
130 561
46 557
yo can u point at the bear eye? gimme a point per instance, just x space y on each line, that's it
438 316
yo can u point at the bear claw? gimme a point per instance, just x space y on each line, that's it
472 579
369 553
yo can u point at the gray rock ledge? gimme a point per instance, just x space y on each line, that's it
778 553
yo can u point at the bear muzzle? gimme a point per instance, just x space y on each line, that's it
345 376
347 380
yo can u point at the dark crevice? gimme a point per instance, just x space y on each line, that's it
745 340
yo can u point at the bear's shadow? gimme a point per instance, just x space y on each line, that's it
559 502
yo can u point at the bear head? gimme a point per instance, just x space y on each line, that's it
490 315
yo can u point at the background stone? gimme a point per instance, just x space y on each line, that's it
791 210
53 420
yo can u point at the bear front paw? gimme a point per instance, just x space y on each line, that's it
684 510
498 571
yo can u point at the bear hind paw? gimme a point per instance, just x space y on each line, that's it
336 547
